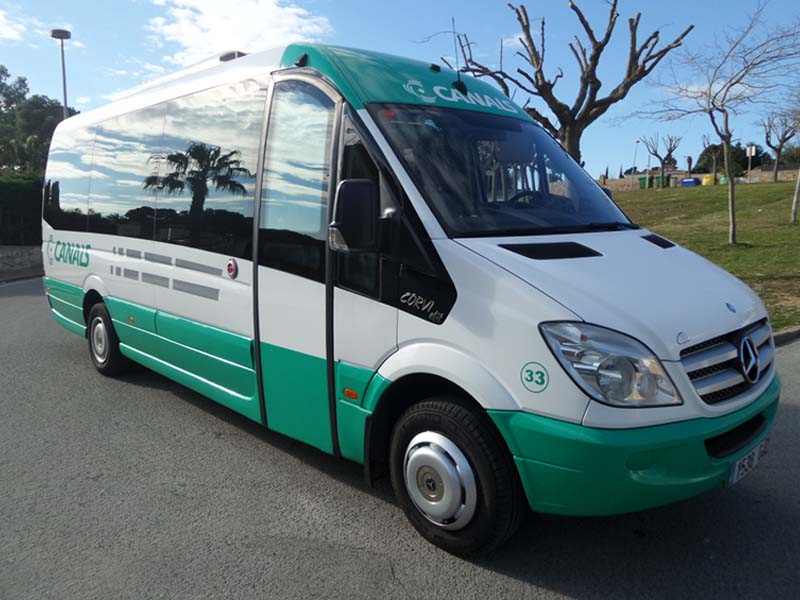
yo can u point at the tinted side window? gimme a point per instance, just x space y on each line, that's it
69 168
120 202
205 173
359 272
294 198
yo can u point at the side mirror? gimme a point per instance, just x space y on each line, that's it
355 217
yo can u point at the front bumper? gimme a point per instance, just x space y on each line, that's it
570 469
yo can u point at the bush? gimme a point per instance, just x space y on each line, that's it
20 209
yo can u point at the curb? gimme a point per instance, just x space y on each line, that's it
787 336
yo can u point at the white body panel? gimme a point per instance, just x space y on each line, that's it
364 331
636 287
495 323
291 312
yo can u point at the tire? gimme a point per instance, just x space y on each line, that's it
104 343
488 506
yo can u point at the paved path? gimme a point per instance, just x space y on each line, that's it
139 488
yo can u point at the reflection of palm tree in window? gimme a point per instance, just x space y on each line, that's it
200 165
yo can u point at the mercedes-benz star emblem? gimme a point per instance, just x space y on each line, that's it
748 358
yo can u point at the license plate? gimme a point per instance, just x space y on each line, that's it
747 463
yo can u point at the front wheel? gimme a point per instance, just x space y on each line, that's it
104 343
454 477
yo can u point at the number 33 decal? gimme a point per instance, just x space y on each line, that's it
534 377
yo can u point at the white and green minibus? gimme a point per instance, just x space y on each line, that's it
395 264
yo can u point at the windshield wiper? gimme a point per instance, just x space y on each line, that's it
554 230
609 226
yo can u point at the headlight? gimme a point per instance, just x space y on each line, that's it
611 367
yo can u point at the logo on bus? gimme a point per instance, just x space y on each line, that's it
68 252
443 92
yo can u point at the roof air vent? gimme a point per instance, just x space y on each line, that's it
233 55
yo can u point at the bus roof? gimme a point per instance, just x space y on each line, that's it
362 76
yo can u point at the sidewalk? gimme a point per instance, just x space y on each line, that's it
20 262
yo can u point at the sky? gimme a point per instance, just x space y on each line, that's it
118 44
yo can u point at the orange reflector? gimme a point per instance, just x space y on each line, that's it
351 394
131 320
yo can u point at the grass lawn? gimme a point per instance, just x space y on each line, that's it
767 256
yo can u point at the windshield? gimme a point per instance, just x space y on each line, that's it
484 174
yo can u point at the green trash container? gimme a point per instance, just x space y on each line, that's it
723 180
662 181
643 183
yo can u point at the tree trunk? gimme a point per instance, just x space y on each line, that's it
196 214
714 168
796 196
726 153
570 138
775 167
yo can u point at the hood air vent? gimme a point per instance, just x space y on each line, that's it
554 251
658 241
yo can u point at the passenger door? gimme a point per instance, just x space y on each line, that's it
296 188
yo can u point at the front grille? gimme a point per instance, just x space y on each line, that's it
713 365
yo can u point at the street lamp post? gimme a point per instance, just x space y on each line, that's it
633 173
61 35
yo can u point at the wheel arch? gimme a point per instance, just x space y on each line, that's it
94 291
418 372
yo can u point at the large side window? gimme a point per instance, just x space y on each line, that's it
296 180
121 202
205 173
69 169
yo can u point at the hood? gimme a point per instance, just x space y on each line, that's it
650 289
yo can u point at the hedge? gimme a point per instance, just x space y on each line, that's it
20 209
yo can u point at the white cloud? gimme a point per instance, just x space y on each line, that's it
83 100
16 26
11 28
513 42
78 44
201 28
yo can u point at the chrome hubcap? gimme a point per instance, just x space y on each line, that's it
99 339
440 481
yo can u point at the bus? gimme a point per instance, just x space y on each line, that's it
392 262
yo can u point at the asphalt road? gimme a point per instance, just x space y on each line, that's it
139 488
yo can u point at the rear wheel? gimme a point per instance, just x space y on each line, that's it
104 343
454 477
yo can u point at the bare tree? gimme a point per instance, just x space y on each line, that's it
722 78
653 143
779 129
573 118
713 151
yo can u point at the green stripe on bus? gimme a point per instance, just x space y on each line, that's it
68 324
68 310
296 394
225 344
64 291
